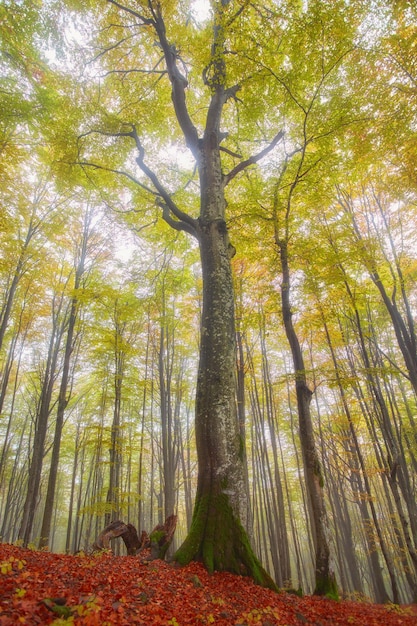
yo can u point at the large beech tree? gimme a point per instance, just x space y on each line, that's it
217 536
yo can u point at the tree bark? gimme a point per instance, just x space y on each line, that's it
324 576
217 535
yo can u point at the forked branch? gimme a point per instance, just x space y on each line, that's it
171 213
253 159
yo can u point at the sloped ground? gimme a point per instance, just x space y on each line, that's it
102 590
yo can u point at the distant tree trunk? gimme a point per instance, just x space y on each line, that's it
264 487
42 418
72 492
63 396
141 515
169 443
3 390
115 452
185 460
270 485
62 403
362 487
402 323
395 454
271 414
22 260
15 494
241 406
324 575
342 521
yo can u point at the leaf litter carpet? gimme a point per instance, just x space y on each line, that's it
104 590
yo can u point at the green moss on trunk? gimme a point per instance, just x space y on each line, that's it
326 586
218 539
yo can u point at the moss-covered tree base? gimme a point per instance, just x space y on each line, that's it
219 541
326 586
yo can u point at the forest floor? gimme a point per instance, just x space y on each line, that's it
103 590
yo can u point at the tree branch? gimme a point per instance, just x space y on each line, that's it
233 154
119 172
185 222
145 20
176 224
178 83
253 159
177 80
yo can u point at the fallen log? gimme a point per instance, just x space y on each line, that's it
158 541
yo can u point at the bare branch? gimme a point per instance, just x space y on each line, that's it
145 20
183 221
233 154
97 166
191 223
178 83
253 159
154 70
113 47
176 224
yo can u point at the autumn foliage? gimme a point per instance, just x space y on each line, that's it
102 589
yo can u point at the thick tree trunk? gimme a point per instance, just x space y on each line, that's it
217 535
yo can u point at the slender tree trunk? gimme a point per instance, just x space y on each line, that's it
72 492
324 575
141 520
42 418
18 273
63 396
269 507
115 452
241 413
6 442
364 495
403 324
167 426
263 413
16 481
62 403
